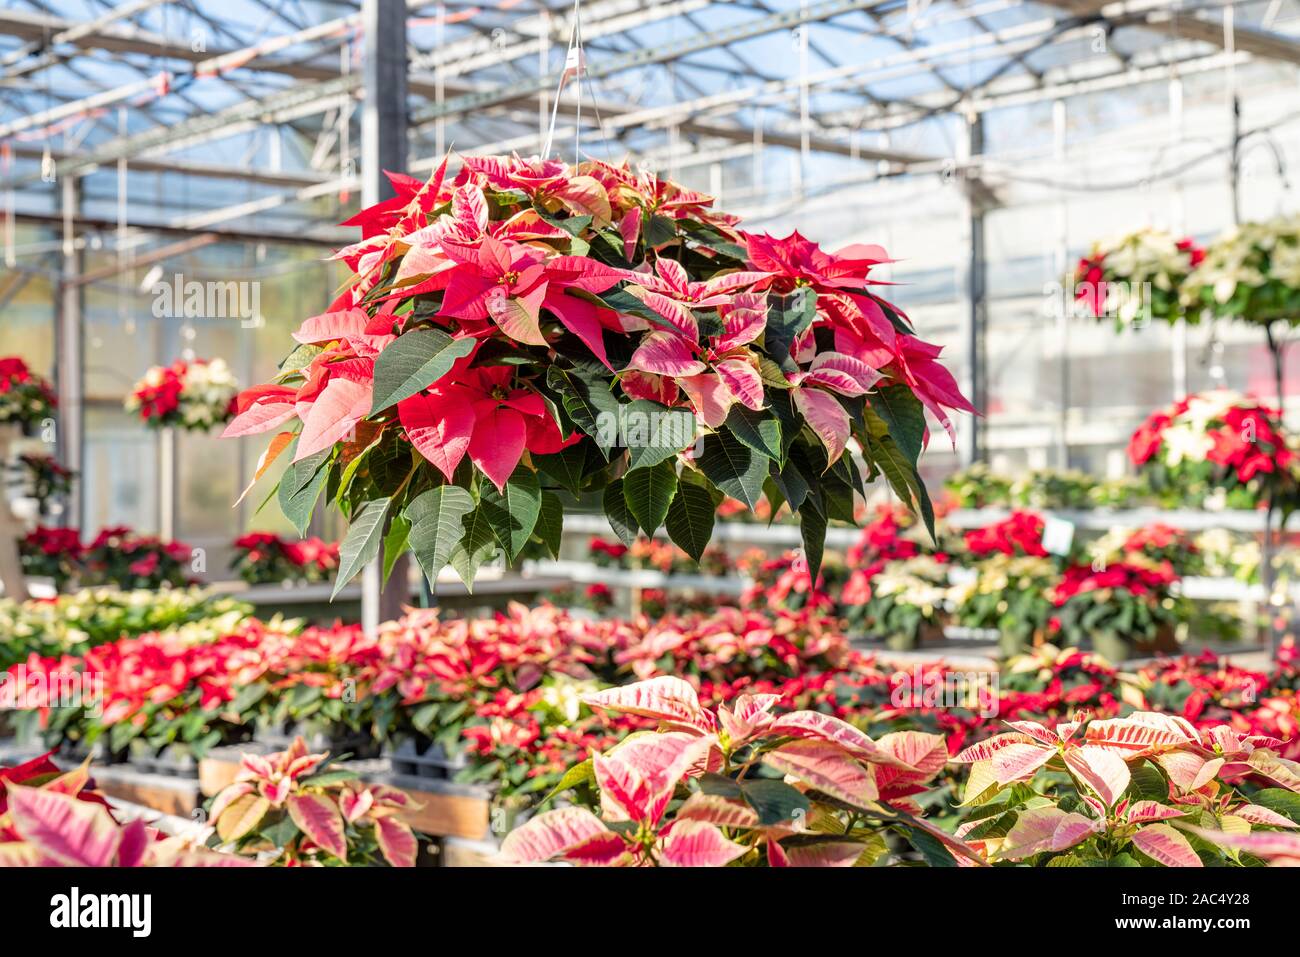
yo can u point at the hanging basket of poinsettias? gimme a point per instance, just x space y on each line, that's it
26 399
1135 278
193 394
1218 449
531 329
1251 273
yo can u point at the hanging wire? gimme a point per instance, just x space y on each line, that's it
574 66
595 106
6 163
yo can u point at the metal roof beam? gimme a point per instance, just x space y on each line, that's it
599 19
1195 25
663 53
278 107
331 240
145 164
13 60
126 39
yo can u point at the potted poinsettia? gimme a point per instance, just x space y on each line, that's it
26 400
1122 609
1008 594
1136 277
293 809
264 557
1217 449
53 818
119 556
1251 273
48 552
44 480
906 603
530 328
193 394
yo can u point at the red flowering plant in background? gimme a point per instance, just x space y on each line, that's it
1054 683
605 553
1136 278
1020 533
784 583
1286 666
1120 608
596 597
1209 691
728 645
192 687
528 328
118 556
52 818
193 394
51 553
1218 449
661 602
1163 543
45 480
262 557
25 398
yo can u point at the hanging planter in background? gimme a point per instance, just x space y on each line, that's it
26 401
193 395
531 330
1252 274
1136 278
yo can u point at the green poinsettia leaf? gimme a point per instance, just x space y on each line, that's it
649 492
690 519
412 362
436 528
513 512
361 544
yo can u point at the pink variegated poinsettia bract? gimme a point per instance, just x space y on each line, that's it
825 770
503 327
1181 812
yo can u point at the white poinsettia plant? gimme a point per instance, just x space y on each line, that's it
1251 273
905 599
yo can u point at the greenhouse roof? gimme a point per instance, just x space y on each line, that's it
245 115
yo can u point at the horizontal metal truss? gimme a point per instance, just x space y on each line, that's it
710 87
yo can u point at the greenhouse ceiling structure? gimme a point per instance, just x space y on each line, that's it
136 134
271 95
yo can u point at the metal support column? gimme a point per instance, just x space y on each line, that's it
1061 264
383 147
383 115
70 355
976 324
